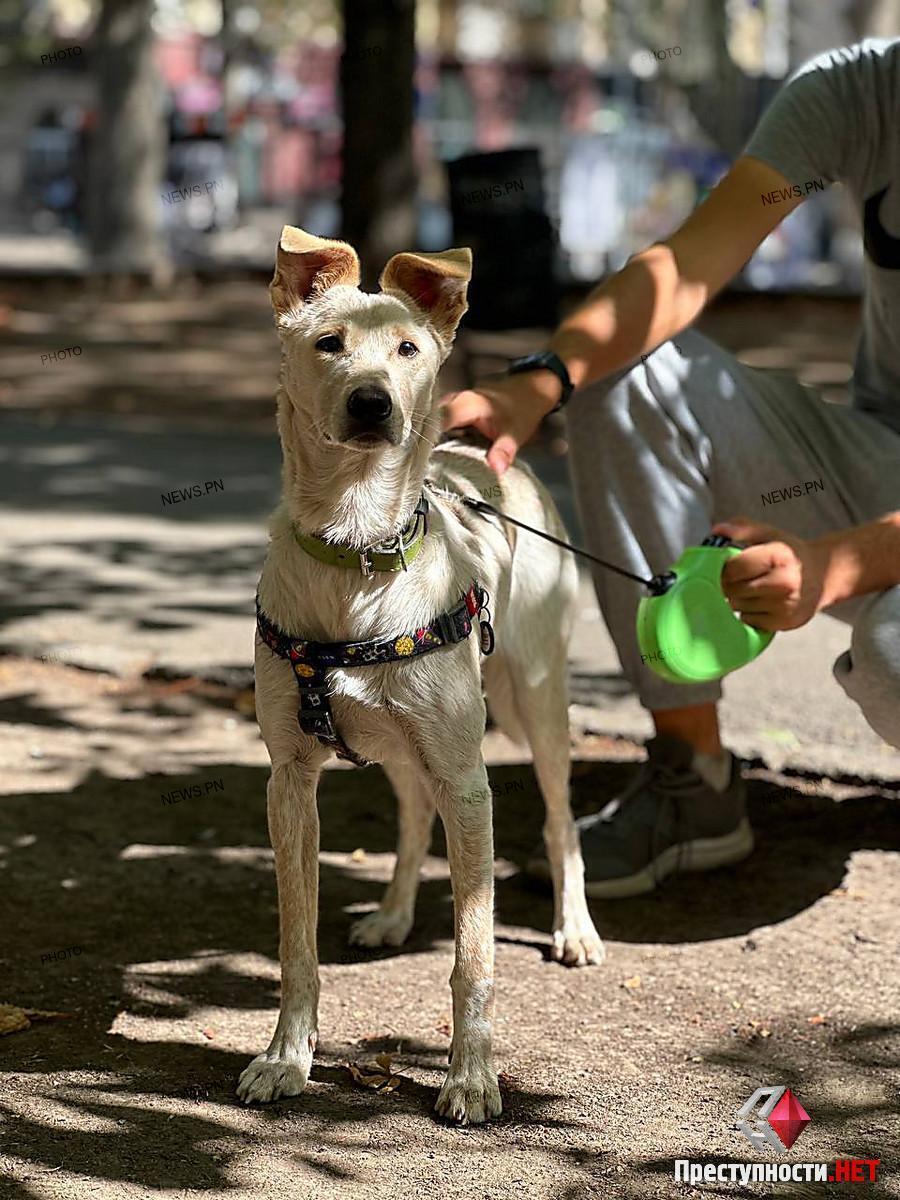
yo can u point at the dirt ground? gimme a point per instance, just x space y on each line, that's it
162 915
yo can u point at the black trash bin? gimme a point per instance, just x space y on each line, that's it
497 206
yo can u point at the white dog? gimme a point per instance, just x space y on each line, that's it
350 561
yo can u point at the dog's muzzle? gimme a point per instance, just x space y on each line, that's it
370 419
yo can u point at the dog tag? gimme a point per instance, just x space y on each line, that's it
487 637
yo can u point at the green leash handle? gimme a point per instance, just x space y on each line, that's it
686 629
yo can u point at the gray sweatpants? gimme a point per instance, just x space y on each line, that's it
689 437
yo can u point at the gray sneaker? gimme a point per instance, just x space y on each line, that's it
668 819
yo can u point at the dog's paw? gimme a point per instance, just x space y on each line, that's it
273 1075
578 945
470 1096
380 929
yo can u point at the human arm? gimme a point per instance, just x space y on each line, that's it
782 581
657 294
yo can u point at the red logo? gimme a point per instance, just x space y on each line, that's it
779 1121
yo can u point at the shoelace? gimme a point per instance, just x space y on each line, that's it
664 782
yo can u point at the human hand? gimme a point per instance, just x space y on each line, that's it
777 583
507 411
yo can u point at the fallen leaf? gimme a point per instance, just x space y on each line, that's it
208 1033
632 983
818 1019
12 1019
378 1075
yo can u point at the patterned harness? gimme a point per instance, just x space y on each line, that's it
311 661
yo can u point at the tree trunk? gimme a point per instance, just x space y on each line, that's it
379 177
128 155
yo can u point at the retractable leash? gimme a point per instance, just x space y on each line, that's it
686 629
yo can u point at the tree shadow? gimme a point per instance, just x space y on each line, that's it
137 885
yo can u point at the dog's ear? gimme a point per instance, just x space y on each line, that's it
436 283
306 266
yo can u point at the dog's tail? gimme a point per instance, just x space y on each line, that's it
501 701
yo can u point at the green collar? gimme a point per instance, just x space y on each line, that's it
377 557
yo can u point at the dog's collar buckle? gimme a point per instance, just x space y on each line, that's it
395 553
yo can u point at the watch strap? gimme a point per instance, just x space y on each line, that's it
545 360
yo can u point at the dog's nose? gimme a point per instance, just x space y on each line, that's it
369 404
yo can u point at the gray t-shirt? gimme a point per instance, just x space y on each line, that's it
837 119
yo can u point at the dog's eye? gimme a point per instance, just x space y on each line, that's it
330 343
408 349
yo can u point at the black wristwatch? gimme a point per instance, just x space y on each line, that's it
549 361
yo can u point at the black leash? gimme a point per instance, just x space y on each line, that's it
483 507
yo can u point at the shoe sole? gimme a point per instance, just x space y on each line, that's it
704 854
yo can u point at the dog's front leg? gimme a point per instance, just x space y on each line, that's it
470 1093
294 831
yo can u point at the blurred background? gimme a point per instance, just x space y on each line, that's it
154 136
150 152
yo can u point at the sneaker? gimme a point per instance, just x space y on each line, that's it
668 819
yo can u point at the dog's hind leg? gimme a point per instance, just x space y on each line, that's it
542 710
283 1069
391 922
